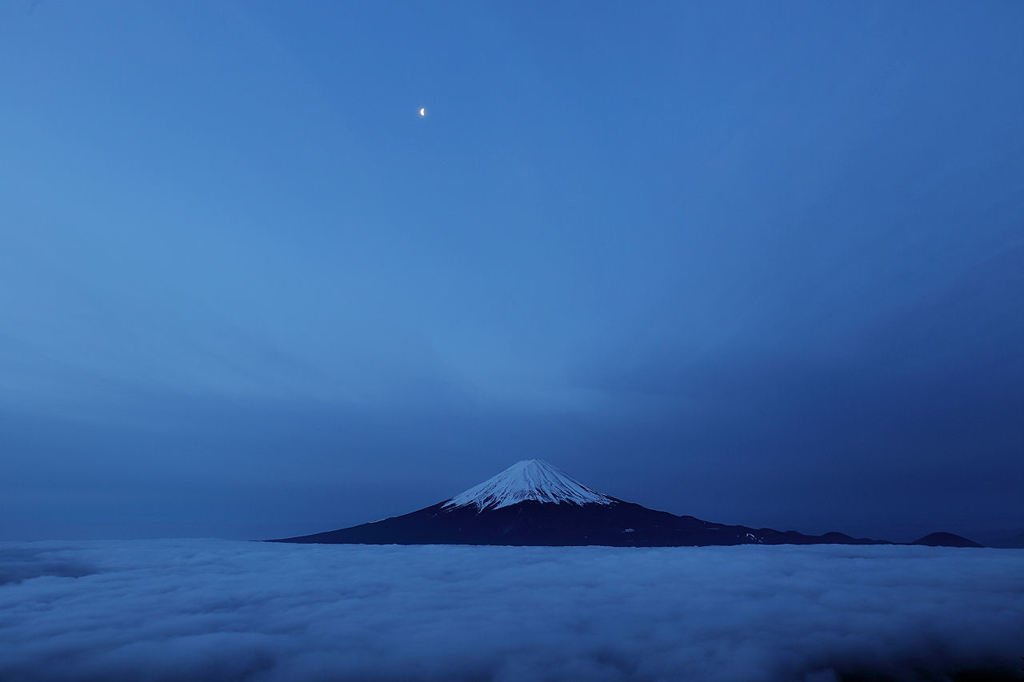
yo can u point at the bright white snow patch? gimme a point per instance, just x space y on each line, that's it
530 479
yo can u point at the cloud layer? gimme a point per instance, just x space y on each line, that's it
219 610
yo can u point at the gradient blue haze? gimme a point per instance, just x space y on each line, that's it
761 263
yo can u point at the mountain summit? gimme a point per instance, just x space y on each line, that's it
534 503
530 479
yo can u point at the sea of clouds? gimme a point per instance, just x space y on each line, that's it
224 610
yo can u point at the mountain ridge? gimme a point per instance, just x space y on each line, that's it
534 503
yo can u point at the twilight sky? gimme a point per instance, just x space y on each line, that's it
760 263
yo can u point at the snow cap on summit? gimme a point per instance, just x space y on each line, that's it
530 479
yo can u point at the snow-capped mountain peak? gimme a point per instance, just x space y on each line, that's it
491 514
530 479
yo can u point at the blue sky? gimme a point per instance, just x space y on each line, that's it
758 263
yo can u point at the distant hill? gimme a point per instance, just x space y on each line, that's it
945 540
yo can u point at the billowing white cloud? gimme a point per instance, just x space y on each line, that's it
218 610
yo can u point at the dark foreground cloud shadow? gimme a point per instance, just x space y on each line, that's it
19 563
